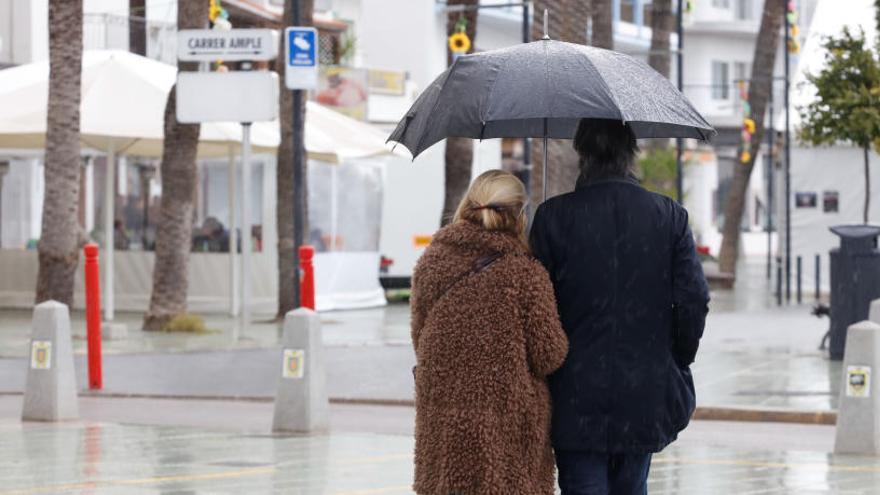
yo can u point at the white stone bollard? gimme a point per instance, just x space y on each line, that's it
301 401
874 313
858 417
50 389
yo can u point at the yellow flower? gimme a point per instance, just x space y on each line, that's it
459 43
214 11
749 126
745 156
794 46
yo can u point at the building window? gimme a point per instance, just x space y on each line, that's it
628 11
743 9
721 4
740 76
720 80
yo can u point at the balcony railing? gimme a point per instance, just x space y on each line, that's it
110 32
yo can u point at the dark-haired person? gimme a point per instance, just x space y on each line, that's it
633 301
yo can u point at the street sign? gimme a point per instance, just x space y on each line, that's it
301 67
208 45
238 96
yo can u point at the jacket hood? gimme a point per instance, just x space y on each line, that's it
468 236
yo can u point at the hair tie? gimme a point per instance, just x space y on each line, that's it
495 208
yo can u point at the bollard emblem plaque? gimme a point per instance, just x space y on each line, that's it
294 363
858 381
41 354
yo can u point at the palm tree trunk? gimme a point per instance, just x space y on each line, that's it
285 208
568 22
59 236
178 174
459 154
759 92
603 28
866 215
661 26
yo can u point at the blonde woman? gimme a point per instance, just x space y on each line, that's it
486 334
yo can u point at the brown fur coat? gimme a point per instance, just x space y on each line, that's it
483 348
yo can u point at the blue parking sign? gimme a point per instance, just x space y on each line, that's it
302 49
301 71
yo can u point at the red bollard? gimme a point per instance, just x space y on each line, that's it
93 315
307 277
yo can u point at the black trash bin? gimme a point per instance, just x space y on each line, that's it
855 280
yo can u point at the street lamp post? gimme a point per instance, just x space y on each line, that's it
787 157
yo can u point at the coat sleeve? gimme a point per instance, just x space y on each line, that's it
539 239
546 342
690 293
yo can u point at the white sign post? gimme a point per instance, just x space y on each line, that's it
301 58
209 45
238 96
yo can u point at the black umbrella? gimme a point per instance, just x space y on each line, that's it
543 89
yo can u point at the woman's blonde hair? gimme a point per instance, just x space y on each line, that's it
496 201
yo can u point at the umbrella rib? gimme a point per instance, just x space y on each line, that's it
443 87
484 115
607 88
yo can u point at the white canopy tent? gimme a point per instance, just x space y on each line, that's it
122 109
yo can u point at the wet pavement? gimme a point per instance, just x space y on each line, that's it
379 326
753 355
92 457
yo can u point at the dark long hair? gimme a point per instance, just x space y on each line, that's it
607 149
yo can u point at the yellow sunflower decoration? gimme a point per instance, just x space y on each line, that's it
459 43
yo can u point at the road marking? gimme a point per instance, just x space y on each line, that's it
143 481
775 465
210 476
377 491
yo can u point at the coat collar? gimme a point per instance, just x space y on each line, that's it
584 181
469 236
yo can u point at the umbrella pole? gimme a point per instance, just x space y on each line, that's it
544 165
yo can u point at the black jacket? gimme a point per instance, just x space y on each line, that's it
633 300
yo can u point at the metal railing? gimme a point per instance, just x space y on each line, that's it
110 32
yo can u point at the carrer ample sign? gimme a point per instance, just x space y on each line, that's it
208 45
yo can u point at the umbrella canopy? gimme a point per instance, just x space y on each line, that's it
123 105
543 89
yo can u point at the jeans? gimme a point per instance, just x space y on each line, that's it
593 473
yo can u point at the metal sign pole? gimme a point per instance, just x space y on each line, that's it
246 244
233 236
299 200
109 230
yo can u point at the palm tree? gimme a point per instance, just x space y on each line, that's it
661 27
178 173
759 92
568 22
284 173
459 152
603 28
59 246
